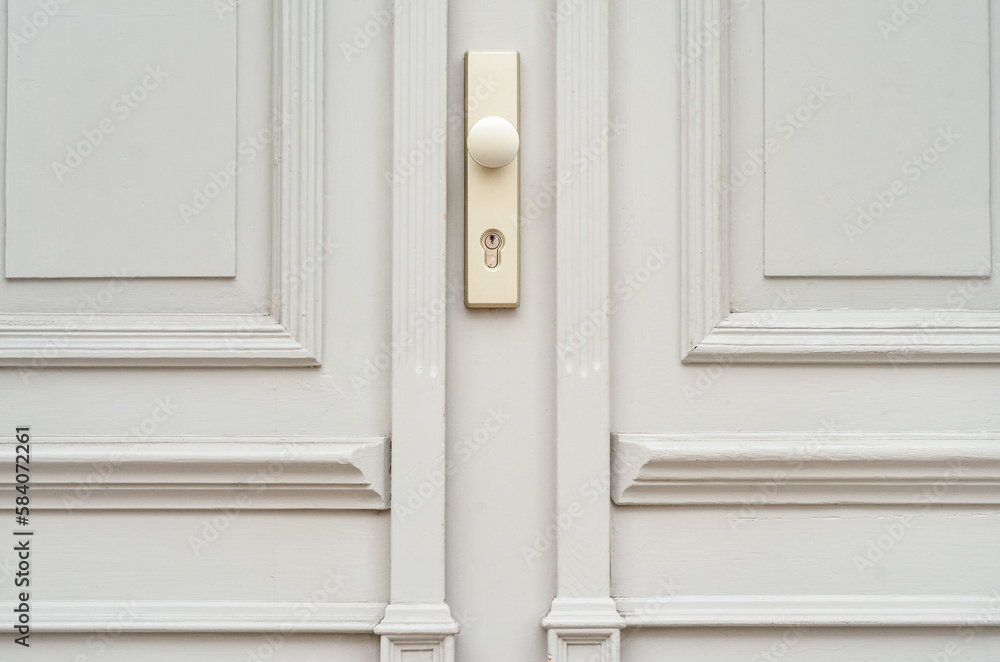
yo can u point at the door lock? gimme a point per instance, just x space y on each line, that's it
492 180
492 242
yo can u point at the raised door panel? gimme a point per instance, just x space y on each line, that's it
879 138
97 175
837 199
164 185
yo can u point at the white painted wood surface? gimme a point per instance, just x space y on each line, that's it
688 442
903 327
193 473
814 479
95 187
886 171
205 616
583 618
418 623
826 645
500 422
811 611
248 505
796 468
284 325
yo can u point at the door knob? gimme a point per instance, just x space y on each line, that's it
493 142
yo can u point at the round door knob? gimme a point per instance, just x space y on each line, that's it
493 142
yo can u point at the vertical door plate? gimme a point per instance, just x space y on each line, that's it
492 194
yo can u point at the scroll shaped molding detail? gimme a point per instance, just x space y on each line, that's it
290 334
788 468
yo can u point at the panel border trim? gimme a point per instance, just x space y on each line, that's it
812 611
831 468
205 617
193 473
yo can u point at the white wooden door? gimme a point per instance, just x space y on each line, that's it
805 413
193 329
745 410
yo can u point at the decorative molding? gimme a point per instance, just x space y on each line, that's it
562 642
297 277
417 628
583 205
420 205
290 334
712 332
798 468
400 648
202 617
704 163
418 622
812 611
582 613
833 336
187 473
585 623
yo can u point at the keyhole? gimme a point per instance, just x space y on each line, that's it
492 243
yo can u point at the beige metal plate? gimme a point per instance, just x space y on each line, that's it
492 195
